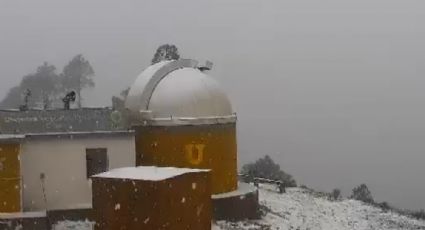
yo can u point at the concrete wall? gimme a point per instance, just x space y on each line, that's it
63 161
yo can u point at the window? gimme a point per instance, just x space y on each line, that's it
97 161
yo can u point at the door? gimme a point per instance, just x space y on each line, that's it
10 178
96 161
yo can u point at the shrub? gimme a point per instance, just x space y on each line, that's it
336 194
384 206
362 193
266 168
304 187
419 214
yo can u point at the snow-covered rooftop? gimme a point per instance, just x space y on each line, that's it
243 189
148 173
18 215
10 136
59 121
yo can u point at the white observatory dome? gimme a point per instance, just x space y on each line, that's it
177 89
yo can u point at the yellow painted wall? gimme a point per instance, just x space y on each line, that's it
10 179
192 146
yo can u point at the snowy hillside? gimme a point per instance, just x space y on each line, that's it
299 209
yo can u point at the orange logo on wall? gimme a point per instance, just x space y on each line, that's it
195 153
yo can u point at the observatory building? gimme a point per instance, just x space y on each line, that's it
183 119
57 163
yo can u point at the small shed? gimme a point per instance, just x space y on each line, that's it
152 198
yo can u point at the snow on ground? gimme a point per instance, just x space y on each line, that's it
300 209
74 225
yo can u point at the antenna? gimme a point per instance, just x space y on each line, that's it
43 189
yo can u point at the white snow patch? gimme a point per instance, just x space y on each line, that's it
149 173
11 136
74 225
146 220
16 215
243 189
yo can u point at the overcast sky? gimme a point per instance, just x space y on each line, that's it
332 89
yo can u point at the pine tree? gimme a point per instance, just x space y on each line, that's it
166 52
77 75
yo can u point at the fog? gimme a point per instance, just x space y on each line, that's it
332 90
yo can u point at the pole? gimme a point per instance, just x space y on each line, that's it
42 180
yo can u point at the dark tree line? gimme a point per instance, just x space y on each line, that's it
46 87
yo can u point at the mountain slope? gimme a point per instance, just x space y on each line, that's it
301 209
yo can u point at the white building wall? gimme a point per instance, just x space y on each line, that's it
63 161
